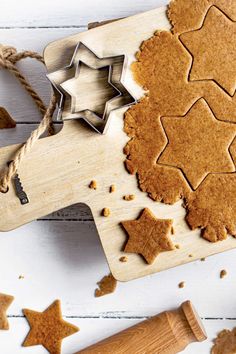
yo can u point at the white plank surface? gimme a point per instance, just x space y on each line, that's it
60 256
71 253
19 104
94 330
69 13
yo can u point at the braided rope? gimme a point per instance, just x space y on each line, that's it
8 58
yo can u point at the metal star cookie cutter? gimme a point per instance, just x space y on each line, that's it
118 67
79 106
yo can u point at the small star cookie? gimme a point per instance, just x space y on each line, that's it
148 236
48 328
5 302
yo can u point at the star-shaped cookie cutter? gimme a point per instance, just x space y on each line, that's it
90 116
118 67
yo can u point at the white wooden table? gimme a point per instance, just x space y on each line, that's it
60 255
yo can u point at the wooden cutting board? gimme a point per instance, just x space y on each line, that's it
58 170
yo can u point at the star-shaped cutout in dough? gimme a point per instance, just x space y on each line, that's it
118 66
48 328
5 302
148 236
213 50
198 143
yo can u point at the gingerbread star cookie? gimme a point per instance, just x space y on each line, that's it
5 302
198 144
148 236
48 328
213 50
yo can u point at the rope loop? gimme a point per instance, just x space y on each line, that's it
8 58
7 53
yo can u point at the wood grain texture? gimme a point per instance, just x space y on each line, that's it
87 156
167 333
77 164
53 243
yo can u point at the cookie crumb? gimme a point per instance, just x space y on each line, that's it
112 188
21 277
106 212
190 256
182 285
106 286
93 185
223 274
124 259
177 247
202 259
129 198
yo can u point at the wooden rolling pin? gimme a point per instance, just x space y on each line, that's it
167 333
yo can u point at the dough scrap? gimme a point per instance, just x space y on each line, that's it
162 68
164 184
212 207
225 343
5 302
142 124
106 286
